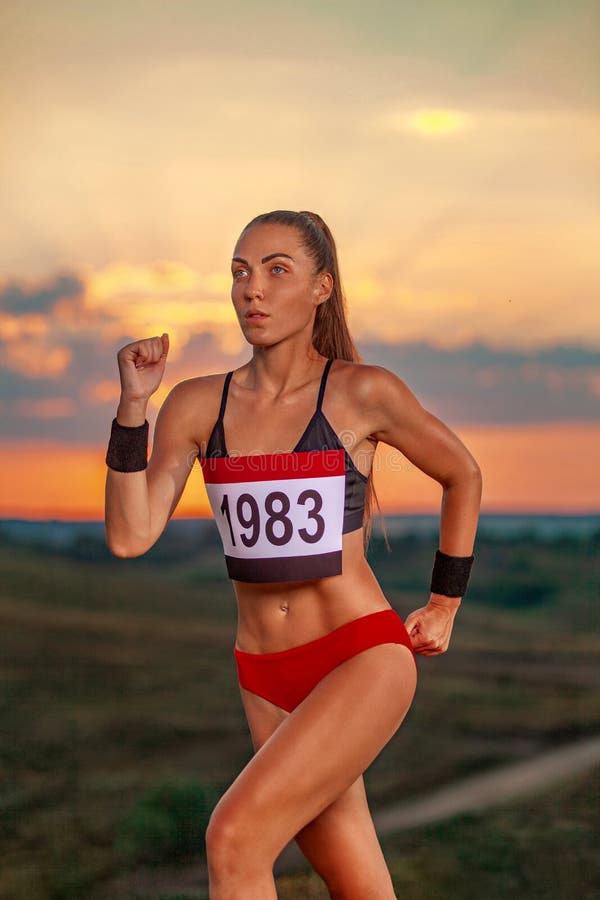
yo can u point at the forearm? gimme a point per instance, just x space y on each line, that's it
458 524
460 514
127 506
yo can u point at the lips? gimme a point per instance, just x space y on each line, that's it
256 315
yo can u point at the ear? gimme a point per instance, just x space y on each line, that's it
323 287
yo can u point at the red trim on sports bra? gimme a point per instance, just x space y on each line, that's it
273 466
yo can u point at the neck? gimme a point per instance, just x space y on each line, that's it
273 372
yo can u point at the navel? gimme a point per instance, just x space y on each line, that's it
283 607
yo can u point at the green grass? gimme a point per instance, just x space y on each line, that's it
117 676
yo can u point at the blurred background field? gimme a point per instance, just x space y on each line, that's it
122 721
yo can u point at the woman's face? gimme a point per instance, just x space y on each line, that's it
273 274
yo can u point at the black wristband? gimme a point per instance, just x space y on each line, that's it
450 574
128 447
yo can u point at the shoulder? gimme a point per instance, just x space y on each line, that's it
383 402
368 384
187 393
192 405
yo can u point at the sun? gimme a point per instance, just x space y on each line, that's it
435 122
430 122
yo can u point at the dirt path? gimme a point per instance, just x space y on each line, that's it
477 792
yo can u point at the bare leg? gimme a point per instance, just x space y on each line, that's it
342 845
315 754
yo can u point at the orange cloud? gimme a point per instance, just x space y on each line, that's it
34 359
46 408
26 326
167 296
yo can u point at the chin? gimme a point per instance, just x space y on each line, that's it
257 342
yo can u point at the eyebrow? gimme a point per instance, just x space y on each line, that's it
264 259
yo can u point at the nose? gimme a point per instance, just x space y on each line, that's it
253 287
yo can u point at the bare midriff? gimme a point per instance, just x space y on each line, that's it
273 617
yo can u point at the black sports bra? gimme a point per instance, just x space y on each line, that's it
282 515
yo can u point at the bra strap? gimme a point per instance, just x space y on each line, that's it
224 394
323 382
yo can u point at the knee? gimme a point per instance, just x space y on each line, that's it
222 839
231 844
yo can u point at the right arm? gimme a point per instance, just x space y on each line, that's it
138 505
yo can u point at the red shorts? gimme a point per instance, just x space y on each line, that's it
286 677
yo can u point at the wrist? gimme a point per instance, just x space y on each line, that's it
441 601
127 447
131 413
450 574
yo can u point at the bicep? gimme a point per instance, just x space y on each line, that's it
173 453
401 421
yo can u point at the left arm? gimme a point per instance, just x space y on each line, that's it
399 420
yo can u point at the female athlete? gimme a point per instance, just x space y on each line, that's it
326 666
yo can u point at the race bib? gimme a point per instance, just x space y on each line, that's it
280 515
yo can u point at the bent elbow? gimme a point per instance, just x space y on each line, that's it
469 475
475 472
119 551
123 551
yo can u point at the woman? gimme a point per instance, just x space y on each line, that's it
326 667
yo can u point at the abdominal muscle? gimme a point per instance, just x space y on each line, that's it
274 617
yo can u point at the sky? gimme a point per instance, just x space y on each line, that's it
452 147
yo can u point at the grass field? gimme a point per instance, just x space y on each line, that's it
118 679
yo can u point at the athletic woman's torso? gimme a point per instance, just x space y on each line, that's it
276 615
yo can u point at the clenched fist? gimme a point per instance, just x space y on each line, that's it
141 366
430 627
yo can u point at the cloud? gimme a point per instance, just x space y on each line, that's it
474 359
21 298
472 383
30 342
479 384
49 408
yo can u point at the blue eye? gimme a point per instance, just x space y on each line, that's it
237 271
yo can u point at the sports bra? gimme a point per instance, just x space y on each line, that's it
281 516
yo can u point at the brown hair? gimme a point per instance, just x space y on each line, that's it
331 336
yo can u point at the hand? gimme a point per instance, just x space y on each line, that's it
430 627
141 366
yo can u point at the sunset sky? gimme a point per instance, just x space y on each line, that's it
452 147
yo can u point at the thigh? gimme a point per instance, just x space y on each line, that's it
340 843
319 750
262 715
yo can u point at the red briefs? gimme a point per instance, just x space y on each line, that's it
286 677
